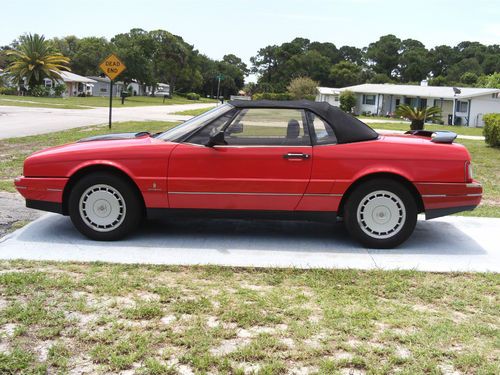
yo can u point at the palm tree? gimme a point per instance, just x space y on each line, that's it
35 60
418 116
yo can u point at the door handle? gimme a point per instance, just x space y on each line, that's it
292 155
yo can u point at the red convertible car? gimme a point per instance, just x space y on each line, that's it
256 159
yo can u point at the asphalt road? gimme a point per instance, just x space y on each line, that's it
23 121
443 245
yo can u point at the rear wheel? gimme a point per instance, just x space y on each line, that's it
381 213
104 207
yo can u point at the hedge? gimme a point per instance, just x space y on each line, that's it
491 129
272 96
193 96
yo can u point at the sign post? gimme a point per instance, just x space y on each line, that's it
219 78
112 66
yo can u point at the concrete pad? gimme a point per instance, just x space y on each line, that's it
444 245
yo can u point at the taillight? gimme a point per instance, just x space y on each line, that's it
468 171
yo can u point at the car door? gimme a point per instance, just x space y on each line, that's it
264 165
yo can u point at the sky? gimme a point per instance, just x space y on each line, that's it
219 27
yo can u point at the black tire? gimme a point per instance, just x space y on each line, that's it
130 207
400 221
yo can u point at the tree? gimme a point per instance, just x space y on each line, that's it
414 64
303 88
418 116
347 101
469 78
384 54
491 81
35 60
441 58
344 74
351 54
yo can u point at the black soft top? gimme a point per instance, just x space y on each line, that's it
347 127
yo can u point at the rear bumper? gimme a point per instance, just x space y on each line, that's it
442 199
41 192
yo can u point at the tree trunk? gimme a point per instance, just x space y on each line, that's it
417 125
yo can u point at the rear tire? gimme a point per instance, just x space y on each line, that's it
381 214
104 207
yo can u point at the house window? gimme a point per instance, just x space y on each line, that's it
336 98
495 95
369 99
462 106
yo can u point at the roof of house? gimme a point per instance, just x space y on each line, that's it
328 90
347 128
105 79
444 92
72 77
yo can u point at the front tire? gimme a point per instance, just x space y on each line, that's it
381 214
104 207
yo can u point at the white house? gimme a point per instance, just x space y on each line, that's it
328 94
459 105
75 84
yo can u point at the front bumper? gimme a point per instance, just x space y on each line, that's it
442 199
46 189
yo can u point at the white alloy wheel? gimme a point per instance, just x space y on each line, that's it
102 208
381 214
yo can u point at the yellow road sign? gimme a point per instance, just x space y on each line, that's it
112 66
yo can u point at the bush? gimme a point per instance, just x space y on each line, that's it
491 129
39 90
59 89
193 96
347 101
303 88
272 96
8 91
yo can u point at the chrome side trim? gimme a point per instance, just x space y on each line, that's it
433 195
239 193
56 190
229 193
474 195
21 187
450 195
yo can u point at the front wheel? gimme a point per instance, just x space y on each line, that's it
104 207
381 213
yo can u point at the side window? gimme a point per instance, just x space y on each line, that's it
201 137
268 126
323 132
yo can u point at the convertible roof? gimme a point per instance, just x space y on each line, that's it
347 127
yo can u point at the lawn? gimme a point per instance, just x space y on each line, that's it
94 101
193 112
486 160
462 130
57 318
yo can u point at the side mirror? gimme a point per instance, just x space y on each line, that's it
216 139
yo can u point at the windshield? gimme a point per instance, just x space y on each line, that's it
194 124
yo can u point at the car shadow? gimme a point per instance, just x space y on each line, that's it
430 237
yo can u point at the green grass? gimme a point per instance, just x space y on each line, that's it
108 318
462 130
94 101
193 112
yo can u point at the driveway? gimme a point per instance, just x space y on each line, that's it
22 121
443 245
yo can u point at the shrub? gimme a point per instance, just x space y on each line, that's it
491 129
59 89
272 96
39 90
347 101
8 91
193 96
303 88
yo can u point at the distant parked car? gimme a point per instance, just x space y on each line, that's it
256 159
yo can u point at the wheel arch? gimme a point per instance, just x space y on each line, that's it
387 175
89 169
